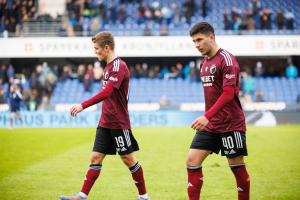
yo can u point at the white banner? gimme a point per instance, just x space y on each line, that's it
172 46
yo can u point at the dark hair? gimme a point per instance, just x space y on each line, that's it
202 27
104 38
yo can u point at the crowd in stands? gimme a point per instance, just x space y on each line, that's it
85 17
36 88
256 17
38 84
13 13
92 16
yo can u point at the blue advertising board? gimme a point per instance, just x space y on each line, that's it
53 119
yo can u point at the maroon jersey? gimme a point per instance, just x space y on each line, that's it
219 71
115 108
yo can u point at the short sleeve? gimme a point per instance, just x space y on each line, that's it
117 74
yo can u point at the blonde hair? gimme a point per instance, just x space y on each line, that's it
104 38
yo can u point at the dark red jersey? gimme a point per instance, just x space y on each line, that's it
115 108
217 72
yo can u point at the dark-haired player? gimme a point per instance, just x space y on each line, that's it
222 127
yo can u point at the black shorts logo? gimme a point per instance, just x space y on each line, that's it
123 141
232 143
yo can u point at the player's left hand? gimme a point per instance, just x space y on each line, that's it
199 123
75 109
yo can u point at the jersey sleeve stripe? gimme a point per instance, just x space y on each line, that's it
114 68
116 65
229 57
225 58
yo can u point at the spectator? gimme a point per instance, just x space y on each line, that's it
133 72
113 12
195 70
87 17
98 71
90 71
138 68
174 72
66 73
33 81
204 8
56 70
291 70
102 14
141 13
81 72
289 20
144 71
265 19
87 82
14 98
122 14
237 22
2 93
248 86
3 75
280 20
187 10
176 16
13 13
10 71
226 20
249 21
167 15
156 71
164 71
179 69
151 72
259 69
34 100
256 6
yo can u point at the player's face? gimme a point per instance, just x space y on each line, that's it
101 52
203 42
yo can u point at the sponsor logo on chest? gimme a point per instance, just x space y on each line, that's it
105 79
207 76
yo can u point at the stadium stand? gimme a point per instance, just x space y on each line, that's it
178 91
171 17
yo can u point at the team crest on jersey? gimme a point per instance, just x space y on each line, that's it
106 75
212 69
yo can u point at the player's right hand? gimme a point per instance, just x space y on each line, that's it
76 109
199 123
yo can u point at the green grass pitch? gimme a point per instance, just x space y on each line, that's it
44 163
